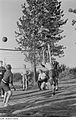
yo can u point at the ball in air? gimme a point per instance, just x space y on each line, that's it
4 39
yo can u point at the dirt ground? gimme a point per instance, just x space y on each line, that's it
35 103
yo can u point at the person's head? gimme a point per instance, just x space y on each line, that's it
1 63
8 67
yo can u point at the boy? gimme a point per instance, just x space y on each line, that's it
7 79
2 71
42 79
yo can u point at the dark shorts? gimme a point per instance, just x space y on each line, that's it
44 80
5 86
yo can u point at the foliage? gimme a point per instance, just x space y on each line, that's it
17 77
73 71
73 11
68 73
40 24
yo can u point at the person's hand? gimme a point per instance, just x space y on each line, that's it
13 87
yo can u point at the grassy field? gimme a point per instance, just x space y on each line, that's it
35 103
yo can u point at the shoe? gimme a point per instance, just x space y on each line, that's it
53 94
23 89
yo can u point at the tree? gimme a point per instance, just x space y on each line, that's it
73 21
39 27
73 11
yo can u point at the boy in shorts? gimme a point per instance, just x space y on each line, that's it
2 71
42 79
7 79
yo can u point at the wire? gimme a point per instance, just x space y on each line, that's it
12 50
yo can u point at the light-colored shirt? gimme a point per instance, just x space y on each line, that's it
42 76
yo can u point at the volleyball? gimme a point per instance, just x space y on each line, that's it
4 39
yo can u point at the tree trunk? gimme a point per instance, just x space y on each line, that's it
34 67
49 53
50 57
43 55
47 56
34 73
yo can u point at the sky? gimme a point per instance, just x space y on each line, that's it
10 12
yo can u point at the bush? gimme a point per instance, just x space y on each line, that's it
64 73
73 71
17 77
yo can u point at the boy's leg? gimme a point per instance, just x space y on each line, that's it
5 95
26 82
23 81
53 88
57 84
48 85
2 92
42 85
9 93
39 84
23 85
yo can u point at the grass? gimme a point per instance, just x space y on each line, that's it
35 103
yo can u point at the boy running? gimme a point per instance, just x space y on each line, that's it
7 79
2 71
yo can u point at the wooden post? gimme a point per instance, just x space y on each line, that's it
49 52
26 82
43 55
23 81
34 72
34 61
34 67
47 56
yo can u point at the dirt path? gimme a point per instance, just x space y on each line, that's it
41 103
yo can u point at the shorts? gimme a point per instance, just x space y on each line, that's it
43 85
5 86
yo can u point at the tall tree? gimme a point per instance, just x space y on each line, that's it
39 27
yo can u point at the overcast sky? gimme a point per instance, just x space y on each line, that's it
10 11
